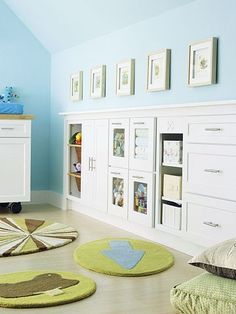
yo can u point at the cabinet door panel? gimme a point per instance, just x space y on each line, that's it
87 174
141 198
119 143
142 132
118 192
100 164
14 169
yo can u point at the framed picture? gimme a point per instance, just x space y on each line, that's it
158 71
202 62
125 78
76 86
98 82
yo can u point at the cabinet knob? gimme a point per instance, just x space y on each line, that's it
213 129
213 170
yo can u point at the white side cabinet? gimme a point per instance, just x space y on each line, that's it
15 160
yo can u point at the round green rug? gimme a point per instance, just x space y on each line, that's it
123 257
22 236
41 289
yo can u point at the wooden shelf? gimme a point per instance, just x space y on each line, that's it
172 165
75 145
74 174
172 200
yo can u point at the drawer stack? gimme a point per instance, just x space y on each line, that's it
210 178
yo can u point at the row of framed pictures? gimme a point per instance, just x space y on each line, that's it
202 66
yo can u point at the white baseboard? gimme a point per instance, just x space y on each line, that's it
47 197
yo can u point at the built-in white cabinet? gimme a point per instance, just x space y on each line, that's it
142 144
15 160
141 205
118 192
119 143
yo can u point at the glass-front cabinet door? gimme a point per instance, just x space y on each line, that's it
118 148
118 192
141 198
142 143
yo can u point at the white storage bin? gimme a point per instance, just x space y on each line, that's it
172 187
171 216
172 152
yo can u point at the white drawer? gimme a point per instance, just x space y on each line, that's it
15 128
170 125
209 225
213 129
211 170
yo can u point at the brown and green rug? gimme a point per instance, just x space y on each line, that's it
22 236
41 289
124 257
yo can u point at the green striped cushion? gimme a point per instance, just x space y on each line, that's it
205 294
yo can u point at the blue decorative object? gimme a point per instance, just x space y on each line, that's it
7 104
123 254
8 95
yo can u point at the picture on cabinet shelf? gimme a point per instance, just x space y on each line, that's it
125 78
118 143
140 197
158 71
118 192
141 144
202 62
76 86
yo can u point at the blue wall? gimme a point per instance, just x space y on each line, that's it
175 30
25 64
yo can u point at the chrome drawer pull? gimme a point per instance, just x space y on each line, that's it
116 123
136 123
213 170
213 129
117 173
211 224
7 128
137 177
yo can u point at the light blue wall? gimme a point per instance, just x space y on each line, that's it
25 64
175 30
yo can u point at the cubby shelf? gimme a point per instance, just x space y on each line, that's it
172 200
75 145
172 165
74 174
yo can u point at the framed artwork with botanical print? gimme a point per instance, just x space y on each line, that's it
76 86
98 82
125 78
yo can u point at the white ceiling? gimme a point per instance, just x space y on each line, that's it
61 24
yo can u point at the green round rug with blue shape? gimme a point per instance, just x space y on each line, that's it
124 257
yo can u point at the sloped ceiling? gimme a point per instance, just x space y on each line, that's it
62 24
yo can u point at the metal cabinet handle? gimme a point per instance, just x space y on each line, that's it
139 123
89 164
117 173
7 128
211 224
137 177
116 123
93 160
213 170
213 129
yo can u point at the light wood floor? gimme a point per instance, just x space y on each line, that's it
114 295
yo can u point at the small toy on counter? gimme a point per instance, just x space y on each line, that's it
77 167
76 138
8 96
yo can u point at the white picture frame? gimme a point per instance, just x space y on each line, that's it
125 77
158 70
98 82
76 86
202 63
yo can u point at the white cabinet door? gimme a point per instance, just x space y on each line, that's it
118 192
141 155
100 164
119 143
15 169
141 198
87 174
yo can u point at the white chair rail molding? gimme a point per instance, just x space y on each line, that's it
166 173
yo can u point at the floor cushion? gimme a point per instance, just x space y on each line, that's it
205 294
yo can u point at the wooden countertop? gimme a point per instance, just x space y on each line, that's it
16 117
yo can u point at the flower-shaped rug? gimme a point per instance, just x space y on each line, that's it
22 236
124 257
41 288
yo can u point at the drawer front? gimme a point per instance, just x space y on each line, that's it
169 125
212 130
211 171
15 128
210 225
